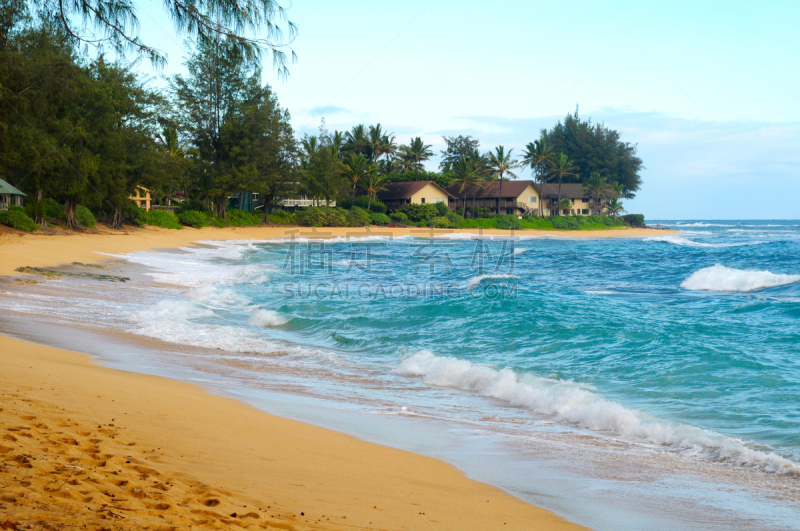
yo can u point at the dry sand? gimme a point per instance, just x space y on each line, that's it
87 447
44 250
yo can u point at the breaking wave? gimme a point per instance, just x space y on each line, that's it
721 278
686 242
476 281
578 405
267 318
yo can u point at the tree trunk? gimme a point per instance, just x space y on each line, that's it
541 192
499 195
70 209
116 218
38 210
169 198
464 213
558 203
474 205
369 202
219 206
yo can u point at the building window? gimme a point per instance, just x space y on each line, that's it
509 211
566 212
585 211
255 196
532 199
423 200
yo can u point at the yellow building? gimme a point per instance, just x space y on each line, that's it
580 202
396 195
141 196
516 198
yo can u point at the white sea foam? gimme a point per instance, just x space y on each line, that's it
579 405
686 242
517 250
721 278
267 318
701 224
475 281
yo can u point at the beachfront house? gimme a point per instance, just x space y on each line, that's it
397 195
141 196
580 204
9 196
518 197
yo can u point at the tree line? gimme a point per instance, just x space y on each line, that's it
80 130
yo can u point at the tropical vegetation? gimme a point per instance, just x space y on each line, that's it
79 134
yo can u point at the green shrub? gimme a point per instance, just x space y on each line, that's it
132 212
507 222
85 217
442 208
240 218
486 223
160 218
634 220
193 218
454 218
398 216
281 217
48 208
564 223
361 202
440 222
213 220
357 217
15 217
322 216
417 212
376 218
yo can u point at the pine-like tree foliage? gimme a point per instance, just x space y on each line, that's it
595 148
244 139
253 25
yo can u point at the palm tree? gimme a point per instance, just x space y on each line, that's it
415 152
356 141
355 168
596 187
466 174
614 208
373 184
537 155
560 167
500 165
176 152
380 143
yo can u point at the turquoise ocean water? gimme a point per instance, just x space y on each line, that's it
623 352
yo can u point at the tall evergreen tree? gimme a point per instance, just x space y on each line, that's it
596 148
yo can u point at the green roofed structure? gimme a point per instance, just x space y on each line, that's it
9 196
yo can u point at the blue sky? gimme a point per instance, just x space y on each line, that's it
708 90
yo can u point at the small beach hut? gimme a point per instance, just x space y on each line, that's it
9 196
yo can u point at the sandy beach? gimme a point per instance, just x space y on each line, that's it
85 446
43 250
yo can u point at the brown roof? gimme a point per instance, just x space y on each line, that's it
404 190
568 190
490 190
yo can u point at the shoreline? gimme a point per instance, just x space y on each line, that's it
50 250
92 443
86 444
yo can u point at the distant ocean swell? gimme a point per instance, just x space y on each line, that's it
578 405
